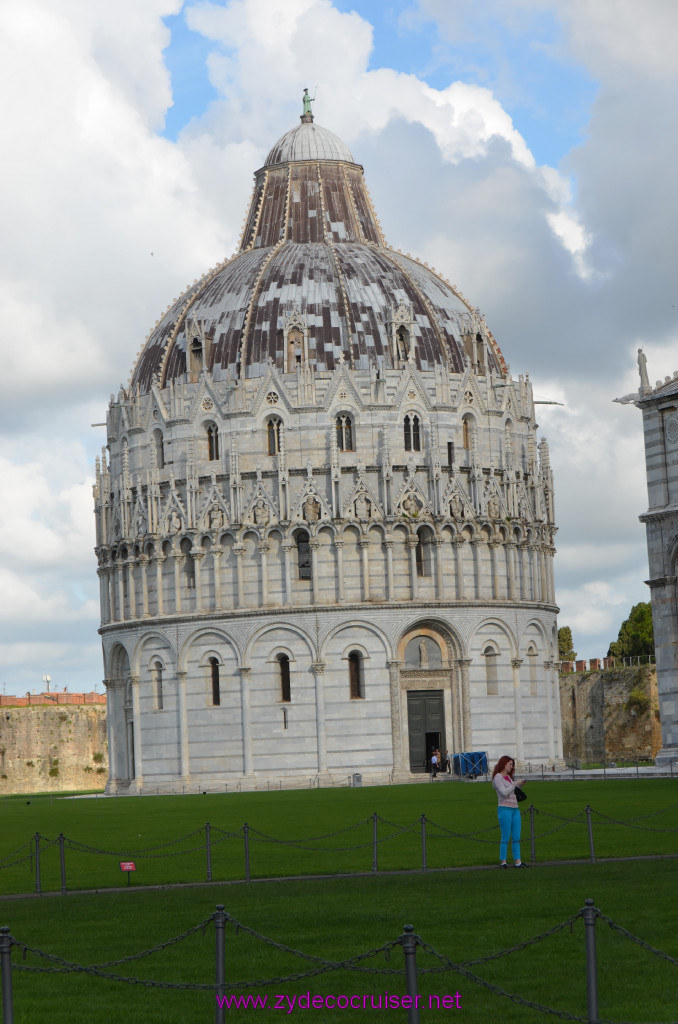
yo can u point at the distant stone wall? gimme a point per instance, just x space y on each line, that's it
53 748
610 714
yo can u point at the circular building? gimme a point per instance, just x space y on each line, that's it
324 523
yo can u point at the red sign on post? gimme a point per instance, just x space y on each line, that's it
127 865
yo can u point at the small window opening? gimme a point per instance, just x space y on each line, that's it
450 453
466 428
157 685
295 348
196 362
285 692
303 554
189 565
284 717
344 433
356 677
403 343
216 689
412 434
532 670
422 554
159 446
273 434
212 443
491 675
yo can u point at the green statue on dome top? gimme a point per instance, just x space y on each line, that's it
307 100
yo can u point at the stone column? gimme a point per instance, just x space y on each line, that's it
177 558
517 708
239 551
131 587
159 559
388 544
400 754
463 665
510 549
440 579
493 570
548 666
318 669
246 720
143 563
365 564
339 545
120 592
136 713
216 553
412 545
114 720
287 572
264 548
475 560
459 563
545 595
314 544
104 596
558 725
184 744
198 556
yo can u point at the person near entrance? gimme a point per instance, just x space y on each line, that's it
507 810
435 763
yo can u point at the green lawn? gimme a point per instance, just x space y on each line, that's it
462 914
125 828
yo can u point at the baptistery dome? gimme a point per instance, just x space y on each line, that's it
324 524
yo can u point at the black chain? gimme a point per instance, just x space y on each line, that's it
639 942
628 824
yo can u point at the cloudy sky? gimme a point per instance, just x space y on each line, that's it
525 148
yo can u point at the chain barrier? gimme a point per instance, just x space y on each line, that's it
75 844
628 823
639 942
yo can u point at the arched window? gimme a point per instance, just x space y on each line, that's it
195 358
403 343
295 348
212 442
159 449
216 689
284 663
412 434
491 674
480 354
422 553
356 675
532 669
467 429
273 433
284 717
189 565
303 554
344 429
156 672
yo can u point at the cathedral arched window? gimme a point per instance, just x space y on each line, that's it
156 672
344 428
356 675
273 425
159 449
303 543
480 354
214 678
467 432
412 434
491 673
403 343
284 670
532 669
423 552
195 358
295 348
189 564
212 442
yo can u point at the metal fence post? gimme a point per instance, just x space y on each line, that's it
62 859
220 962
6 958
208 851
38 885
590 827
409 944
375 819
533 855
589 914
424 866
246 836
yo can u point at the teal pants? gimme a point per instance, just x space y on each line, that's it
509 823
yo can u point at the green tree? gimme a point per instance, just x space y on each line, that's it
636 635
565 649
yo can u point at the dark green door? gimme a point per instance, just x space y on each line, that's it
426 725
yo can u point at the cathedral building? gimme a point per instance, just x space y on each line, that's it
325 523
659 406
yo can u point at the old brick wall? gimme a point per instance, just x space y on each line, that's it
612 713
52 749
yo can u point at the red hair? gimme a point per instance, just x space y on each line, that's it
501 764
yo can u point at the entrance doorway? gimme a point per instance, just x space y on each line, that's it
426 726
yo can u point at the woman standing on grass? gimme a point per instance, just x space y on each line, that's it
507 811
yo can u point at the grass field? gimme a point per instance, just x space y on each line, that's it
462 914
